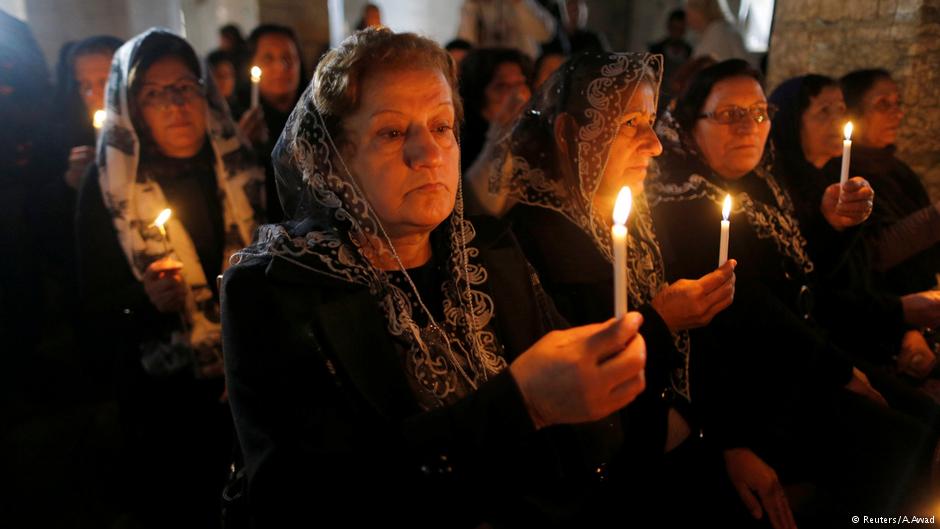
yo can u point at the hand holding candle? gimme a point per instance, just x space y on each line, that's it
255 81
618 237
846 152
725 231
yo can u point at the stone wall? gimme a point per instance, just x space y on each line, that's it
833 37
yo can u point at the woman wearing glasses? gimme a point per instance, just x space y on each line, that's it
904 230
149 290
774 382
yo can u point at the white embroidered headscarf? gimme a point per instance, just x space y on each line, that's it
134 202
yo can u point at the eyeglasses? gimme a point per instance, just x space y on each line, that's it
885 106
732 115
179 94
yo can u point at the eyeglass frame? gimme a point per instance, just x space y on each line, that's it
766 114
177 96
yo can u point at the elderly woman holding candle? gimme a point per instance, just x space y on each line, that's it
772 366
387 361
807 138
596 115
168 142
904 231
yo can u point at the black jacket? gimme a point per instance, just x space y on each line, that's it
330 428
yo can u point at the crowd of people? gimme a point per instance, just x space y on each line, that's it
383 292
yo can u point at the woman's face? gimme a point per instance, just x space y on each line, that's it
279 60
173 104
733 149
91 74
507 80
632 149
223 74
821 126
400 146
880 115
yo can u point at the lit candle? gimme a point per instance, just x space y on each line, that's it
98 121
846 152
160 224
725 229
255 81
618 235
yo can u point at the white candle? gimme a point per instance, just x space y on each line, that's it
618 235
160 223
846 153
725 230
255 81
98 121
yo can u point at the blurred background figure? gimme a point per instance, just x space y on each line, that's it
371 17
222 68
458 49
516 24
717 36
675 50
574 18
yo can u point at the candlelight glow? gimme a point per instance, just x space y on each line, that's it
255 74
726 208
623 205
162 218
847 131
98 120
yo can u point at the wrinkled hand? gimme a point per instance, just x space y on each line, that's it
584 373
750 475
691 303
79 159
916 358
848 205
164 284
252 126
922 309
860 384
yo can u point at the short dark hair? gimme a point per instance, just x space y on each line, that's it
217 57
233 32
458 44
690 102
856 84
677 14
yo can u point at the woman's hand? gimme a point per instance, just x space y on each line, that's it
687 304
860 384
916 358
164 284
252 126
848 205
750 475
584 373
79 159
922 309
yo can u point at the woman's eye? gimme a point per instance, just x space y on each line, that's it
443 128
391 133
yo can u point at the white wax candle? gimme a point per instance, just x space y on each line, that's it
618 236
725 231
255 81
846 152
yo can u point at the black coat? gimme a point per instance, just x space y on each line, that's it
330 428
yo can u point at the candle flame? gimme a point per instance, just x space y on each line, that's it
255 74
98 120
623 205
847 131
726 207
162 218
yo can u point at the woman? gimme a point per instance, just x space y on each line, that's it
768 339
807 135
276 50
718 39
494 85
559 202
904 232
168 142
382 352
